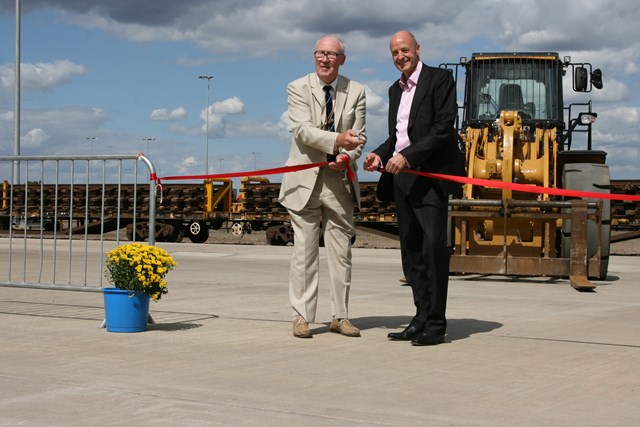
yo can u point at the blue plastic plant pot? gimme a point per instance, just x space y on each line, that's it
125 312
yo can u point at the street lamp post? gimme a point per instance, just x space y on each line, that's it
90 138
148 141
220 160
16 105
206 150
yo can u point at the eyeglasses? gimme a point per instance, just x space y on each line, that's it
320 54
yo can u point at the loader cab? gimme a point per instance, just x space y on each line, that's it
528 83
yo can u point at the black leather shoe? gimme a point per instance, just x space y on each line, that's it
408 334
427 338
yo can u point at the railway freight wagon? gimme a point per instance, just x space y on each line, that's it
96 208
182 210
192 210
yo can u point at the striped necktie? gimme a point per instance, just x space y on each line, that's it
328 99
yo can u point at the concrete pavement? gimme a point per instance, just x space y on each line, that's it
519 352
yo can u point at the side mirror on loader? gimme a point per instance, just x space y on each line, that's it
580 79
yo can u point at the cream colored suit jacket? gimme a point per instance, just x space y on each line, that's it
311 144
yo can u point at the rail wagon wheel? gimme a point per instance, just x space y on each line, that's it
594 178
141 231
169 232
197 232
279 235
276 240
237 229
177 235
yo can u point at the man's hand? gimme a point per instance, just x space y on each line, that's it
372 162
396 164
349 140
341 163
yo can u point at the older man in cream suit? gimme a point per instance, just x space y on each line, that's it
327 115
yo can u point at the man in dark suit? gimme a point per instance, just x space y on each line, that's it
422 137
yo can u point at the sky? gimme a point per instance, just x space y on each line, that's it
121 76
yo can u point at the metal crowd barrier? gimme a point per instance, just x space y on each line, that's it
57 211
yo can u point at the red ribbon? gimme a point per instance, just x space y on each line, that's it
526 188
459 179
273 171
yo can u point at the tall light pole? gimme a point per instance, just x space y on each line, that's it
148 141
90 138
638 148
16 107
206 137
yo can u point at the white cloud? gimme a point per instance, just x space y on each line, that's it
227 107
188 165
33 138
376 104
164 114
284 127
42 76
217 113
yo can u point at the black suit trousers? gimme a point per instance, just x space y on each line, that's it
422 225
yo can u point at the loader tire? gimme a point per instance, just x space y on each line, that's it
594 178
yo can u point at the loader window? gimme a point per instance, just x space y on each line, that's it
527 85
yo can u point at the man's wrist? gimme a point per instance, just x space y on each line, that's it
405 160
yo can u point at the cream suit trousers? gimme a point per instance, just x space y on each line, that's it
332 204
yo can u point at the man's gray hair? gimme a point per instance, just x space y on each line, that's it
336 37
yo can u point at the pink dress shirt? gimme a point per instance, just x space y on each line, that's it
408 87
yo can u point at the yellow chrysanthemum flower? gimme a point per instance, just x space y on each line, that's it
139 267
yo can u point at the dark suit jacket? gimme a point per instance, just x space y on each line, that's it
434 141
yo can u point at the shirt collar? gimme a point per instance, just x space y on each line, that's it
333 84
412 81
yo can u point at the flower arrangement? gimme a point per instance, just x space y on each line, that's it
139 267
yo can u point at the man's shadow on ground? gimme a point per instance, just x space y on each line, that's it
457 329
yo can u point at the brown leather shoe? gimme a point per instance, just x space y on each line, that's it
344 327
301 328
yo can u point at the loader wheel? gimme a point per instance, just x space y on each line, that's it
595 178
197 232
